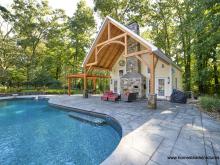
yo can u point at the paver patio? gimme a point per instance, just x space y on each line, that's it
150 136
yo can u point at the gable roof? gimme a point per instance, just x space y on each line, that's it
153 48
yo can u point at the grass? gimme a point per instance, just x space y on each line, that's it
210 103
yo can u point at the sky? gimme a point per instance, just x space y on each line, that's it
69 6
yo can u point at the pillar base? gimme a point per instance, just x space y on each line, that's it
152 101
85 94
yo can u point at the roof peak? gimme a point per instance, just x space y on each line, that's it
143 41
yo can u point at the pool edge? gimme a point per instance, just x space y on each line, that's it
110 120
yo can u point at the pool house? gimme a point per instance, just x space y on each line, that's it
135 64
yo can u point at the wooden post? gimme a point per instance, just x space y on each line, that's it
69 86
94 84
85 80
126 45
96 55
152 99
85 93
152 75
109 31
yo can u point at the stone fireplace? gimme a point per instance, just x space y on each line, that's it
133 80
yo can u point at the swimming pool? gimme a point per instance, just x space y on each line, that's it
32 132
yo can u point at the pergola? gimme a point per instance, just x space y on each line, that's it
112 42
82 76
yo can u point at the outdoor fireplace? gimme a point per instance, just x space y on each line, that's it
133 81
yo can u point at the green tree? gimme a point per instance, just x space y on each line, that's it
207 39
9 52
125 11
32 20
82 27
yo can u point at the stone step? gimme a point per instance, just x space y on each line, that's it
87 118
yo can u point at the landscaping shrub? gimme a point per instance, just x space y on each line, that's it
210 103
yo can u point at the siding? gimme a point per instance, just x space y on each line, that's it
115 74
176 75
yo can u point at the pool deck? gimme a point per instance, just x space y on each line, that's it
150 136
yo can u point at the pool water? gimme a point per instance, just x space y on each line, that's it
32 132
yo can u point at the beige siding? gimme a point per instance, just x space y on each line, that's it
162 69
115 74
176 79
144 70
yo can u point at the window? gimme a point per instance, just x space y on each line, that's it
161 87
163 66
121 72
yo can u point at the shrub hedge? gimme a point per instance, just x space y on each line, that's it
210 103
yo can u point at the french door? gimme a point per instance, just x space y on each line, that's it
161 88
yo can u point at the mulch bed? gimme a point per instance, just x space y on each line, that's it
212 114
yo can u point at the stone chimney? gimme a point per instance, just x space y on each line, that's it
133 81
133 64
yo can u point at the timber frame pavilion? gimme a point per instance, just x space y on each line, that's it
110 43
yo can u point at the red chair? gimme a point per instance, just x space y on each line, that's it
114 97
106 95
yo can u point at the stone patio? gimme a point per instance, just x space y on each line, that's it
150 136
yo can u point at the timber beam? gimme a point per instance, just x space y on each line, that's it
142 60
100 68
137 53
101 45
111 39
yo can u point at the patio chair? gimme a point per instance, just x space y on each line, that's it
114 97
128 97
106 95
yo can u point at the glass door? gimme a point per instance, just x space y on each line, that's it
161 87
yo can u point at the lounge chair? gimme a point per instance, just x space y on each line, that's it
114 97
106 95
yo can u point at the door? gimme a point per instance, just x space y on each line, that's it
161 88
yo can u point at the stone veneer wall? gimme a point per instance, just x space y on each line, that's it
133 81
133 64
